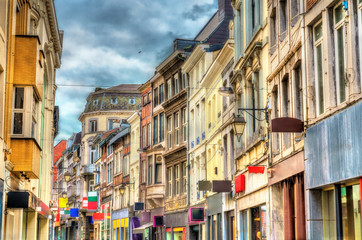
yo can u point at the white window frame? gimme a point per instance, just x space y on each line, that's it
92 152
184 124
336 27
93 128
169 181
177 128
169 88
30 114
317 43
169 132
177 179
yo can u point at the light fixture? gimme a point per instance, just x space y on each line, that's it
225 91
238 126
67 176
122 189
64 194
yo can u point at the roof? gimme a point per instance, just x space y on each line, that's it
124 132
58 150
108 135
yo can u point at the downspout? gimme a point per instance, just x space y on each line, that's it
41 136
304 65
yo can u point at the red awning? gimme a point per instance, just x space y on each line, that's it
256 169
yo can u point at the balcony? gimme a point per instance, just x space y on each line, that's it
25 157
88 170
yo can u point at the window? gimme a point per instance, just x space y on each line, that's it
109 150
34 119
155 97
339 41
125 165
131 101
258 222
176 83
18 110
273 31
162 127
177 179
298 100
149 134
92 157
169 181
169 89
282 19
93 126
184 179
275 114
158 169
294 11
318 68
113 123
143 171
177 129
108 172
155 130
169 132
150 170
286 107
145 101
184 124
162 96
95 102
144 136
114 100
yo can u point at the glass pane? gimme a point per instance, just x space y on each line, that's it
320 78
159 173
338 14
357 211
255 223
318 32
340 65
19 98
329 217
18 123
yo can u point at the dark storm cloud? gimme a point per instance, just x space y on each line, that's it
198 11
110 42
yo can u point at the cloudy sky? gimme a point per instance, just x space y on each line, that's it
110 42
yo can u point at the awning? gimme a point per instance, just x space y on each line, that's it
118 136
142 228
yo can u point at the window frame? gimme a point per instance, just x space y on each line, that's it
161 93
177 128
316 43
169 181
169 131
155 97
336 27
93 128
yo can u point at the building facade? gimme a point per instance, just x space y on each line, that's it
34 47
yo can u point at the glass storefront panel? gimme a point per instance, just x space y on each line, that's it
351 212
329 215
258 222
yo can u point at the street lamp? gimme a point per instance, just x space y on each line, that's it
238 126
121 190
67 176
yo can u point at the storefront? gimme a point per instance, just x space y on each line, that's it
213 217
252 205
176 225
333 153
196 226
120 224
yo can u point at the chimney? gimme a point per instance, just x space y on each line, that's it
225 10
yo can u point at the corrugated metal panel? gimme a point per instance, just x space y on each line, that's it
333 148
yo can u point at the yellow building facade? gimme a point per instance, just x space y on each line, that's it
33 53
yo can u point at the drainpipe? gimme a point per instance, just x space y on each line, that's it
304 65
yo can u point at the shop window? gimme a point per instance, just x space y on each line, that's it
329 215
258 222
351 212
318 67
339 41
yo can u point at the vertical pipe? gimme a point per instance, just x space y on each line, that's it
187 148
338 202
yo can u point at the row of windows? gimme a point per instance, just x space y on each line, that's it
112 123
176 179
131 101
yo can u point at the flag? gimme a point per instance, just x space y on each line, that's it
92 200
85 203
74 212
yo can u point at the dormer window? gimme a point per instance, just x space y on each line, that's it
114 100
95 102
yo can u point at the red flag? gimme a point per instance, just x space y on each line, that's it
256 169
240 183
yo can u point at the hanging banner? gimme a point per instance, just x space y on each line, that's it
92 205
85 203
67 211
98 216
74 212
63 202
256 169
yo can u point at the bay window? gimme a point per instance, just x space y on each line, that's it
25 113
